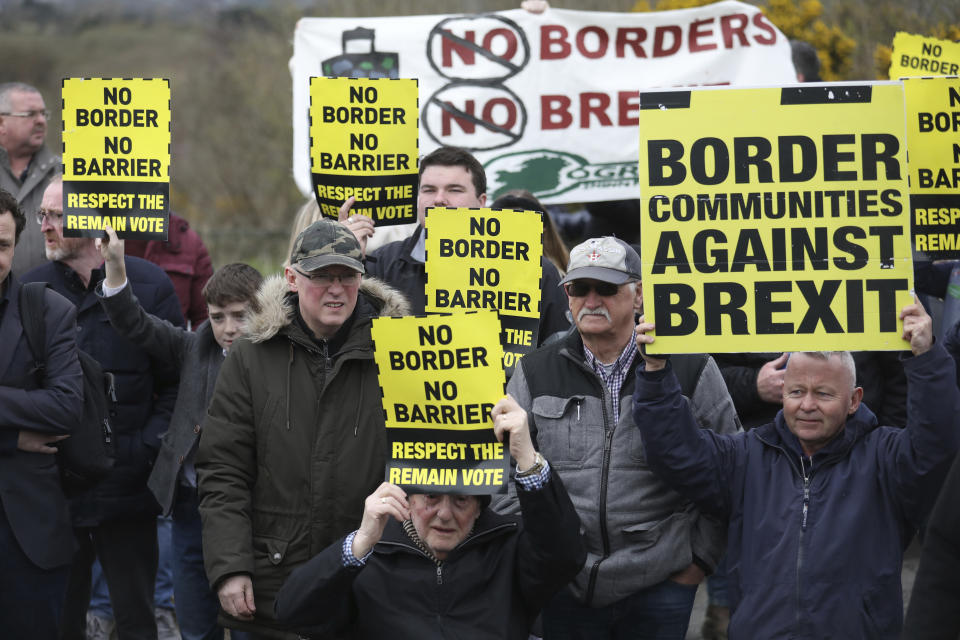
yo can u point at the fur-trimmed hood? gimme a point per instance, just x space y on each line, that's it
277 310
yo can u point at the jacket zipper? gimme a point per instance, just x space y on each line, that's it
806 492
439 563
604 480
803 528
804 512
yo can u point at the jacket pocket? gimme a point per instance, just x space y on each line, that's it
647 534
881 609
561 427
269 551
637 451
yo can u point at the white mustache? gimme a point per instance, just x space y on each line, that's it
600 311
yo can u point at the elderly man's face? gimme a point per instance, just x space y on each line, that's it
447 186
818 395
600 316
328 296
8 234
443 521
20 134
55 245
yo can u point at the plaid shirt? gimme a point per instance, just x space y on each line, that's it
620 369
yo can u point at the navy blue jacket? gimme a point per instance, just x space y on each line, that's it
814 546
146 388
30 492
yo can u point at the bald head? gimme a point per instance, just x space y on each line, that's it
845 359
819 394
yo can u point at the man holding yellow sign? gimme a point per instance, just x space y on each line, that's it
821 503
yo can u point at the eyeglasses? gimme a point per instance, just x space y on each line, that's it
55 218
28 114
582 288
351 279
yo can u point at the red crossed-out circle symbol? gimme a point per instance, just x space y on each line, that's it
484 48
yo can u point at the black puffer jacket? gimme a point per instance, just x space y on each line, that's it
146 387
492 586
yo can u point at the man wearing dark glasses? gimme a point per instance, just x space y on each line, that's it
647 547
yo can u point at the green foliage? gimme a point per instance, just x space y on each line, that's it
231 88
798 20
231 103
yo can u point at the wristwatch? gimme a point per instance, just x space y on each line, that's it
537 467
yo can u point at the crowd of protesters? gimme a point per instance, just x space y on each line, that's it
247 411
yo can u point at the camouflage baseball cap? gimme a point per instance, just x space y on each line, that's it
326 242
607 259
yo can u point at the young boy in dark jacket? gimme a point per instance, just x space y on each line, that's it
230 295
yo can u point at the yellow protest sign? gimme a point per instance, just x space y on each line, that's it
487 259
933 142
363 143
116 156
440 377
775 218
918 56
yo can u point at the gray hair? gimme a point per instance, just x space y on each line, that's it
846 359
8 88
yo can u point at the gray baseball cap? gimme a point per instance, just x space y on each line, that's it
607 259
326 242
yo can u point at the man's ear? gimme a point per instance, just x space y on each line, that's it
291 279
855 400
483 199
638 298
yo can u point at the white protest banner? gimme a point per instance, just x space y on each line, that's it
547 102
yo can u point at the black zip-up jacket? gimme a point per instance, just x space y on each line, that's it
492 585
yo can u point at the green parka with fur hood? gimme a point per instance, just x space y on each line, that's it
292 444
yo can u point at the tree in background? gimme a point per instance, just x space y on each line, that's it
798 20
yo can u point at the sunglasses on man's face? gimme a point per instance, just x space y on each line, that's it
582 288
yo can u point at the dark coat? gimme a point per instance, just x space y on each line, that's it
393 264
815 546
292 444
44 166
185 259
30 482
951 342
933 612
146 387
492 586
197 356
